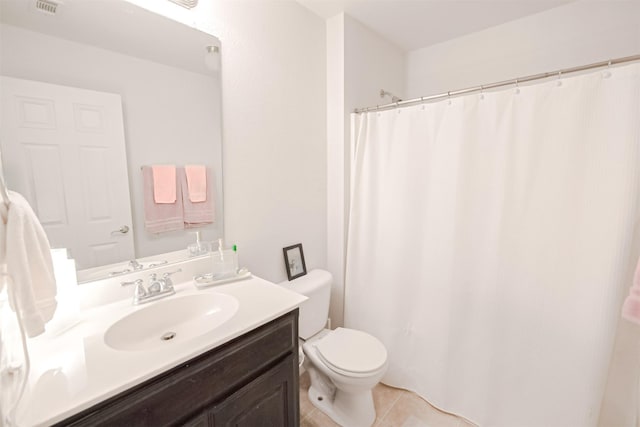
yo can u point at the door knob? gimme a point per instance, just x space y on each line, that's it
124 230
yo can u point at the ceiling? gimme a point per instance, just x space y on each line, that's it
412 24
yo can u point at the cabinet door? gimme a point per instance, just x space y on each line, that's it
271 400
66 154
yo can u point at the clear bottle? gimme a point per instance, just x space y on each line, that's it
224 262
199 247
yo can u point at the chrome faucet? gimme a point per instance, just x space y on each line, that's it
158 288
135 265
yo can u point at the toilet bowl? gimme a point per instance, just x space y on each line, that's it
343 364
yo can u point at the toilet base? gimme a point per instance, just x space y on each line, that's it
346 409
347 400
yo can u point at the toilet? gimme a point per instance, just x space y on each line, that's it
344 364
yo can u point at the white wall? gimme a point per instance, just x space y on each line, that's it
170 115
359 63
274 132
371 63
578 33
337 161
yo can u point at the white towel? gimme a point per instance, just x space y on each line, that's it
25 249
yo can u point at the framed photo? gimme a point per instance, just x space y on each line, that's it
294 261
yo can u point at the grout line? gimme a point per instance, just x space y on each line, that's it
308 415
382 418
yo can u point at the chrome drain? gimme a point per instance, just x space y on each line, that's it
168 336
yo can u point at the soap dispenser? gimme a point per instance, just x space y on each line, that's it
198 248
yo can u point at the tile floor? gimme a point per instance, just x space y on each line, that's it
394 408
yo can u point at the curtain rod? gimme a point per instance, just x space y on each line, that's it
489 86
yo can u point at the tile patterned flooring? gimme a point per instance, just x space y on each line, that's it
394 408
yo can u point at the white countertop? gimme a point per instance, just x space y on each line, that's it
74 370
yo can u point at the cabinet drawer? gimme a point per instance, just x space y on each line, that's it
174 396
266 401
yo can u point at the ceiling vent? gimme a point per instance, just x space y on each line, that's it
189 4
47 6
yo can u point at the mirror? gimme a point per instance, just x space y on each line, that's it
170 114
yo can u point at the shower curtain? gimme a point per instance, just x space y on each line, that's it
489 244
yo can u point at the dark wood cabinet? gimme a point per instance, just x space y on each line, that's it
250 381
264 402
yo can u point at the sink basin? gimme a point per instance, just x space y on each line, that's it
170 321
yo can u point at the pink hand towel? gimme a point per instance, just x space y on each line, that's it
164 183
160 217
199 213
196 182
631 307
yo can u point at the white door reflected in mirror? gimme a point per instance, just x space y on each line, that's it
68 159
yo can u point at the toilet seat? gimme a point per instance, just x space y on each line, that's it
350 352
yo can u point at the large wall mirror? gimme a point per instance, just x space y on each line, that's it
138 82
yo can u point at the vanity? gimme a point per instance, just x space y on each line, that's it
252 380
243 371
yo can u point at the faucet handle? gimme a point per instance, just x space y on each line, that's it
156 264
166 279
135 282
170 273
135 264
139 291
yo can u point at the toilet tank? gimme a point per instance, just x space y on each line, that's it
315 285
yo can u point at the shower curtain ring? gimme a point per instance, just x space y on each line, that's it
607 72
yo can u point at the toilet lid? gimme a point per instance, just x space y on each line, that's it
352 351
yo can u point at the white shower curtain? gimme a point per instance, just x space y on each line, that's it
489 245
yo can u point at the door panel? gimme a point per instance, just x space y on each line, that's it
64 150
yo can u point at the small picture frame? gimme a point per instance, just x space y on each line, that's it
294 261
